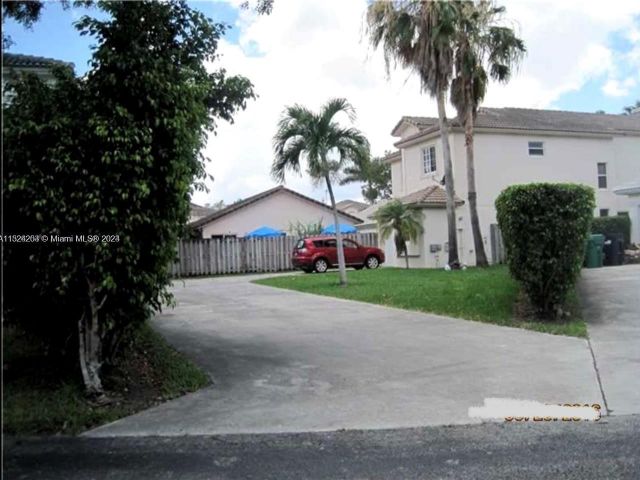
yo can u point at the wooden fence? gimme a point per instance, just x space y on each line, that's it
242 255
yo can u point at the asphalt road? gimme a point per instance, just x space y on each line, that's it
609 449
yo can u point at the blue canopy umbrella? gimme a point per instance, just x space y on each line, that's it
265 231
344 228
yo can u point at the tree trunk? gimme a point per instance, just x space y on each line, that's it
89 345
406 256
341 263
478 244
449 184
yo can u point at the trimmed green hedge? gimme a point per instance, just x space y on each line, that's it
617 224
545 228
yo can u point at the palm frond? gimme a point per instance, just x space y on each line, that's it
334 106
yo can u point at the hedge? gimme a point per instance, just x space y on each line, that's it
618 224
545 228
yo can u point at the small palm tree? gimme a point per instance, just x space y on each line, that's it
403 221
376 176
419 35
480 40
326 147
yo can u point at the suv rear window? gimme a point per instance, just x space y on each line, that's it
300 244
318 243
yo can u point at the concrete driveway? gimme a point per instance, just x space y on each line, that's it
611 302
283 361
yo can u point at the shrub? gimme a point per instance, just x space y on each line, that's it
545 228
618 224
113 156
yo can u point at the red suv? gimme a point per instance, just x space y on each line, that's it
321 253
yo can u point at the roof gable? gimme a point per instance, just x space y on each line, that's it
256 198
419 123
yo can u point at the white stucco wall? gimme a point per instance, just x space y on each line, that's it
420 255
502 159
276 211
407 174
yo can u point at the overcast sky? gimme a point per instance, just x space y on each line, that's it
582 56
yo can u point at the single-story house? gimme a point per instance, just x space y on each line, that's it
196 212
277 208
512 146
351 206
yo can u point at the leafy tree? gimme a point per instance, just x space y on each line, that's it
628 110
219 205
419 35
480 41
114 154
262 7
302 230
402 221
326 147
375 175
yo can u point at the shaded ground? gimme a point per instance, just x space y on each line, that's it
44 394
611 300
583 451
284 361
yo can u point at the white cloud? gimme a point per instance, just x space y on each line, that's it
616 88
312 50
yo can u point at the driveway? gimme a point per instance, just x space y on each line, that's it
611 301
284 361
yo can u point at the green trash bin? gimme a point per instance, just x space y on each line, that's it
595 255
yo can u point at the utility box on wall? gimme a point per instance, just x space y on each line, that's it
435 247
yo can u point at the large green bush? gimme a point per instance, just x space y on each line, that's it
545 227
618 224
112 156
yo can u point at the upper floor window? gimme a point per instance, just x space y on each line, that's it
536 148
429 159
602 175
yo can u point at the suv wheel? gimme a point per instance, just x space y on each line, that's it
321 265
372 262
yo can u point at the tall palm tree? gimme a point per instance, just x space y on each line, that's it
403 221
480 41
376 176
419 35
326 147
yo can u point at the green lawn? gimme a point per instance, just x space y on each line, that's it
43 396
485 295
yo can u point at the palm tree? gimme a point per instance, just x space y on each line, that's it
402 220
480 40
326 147
376 176
419 35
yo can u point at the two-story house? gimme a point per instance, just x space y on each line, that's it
14 64
512 146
